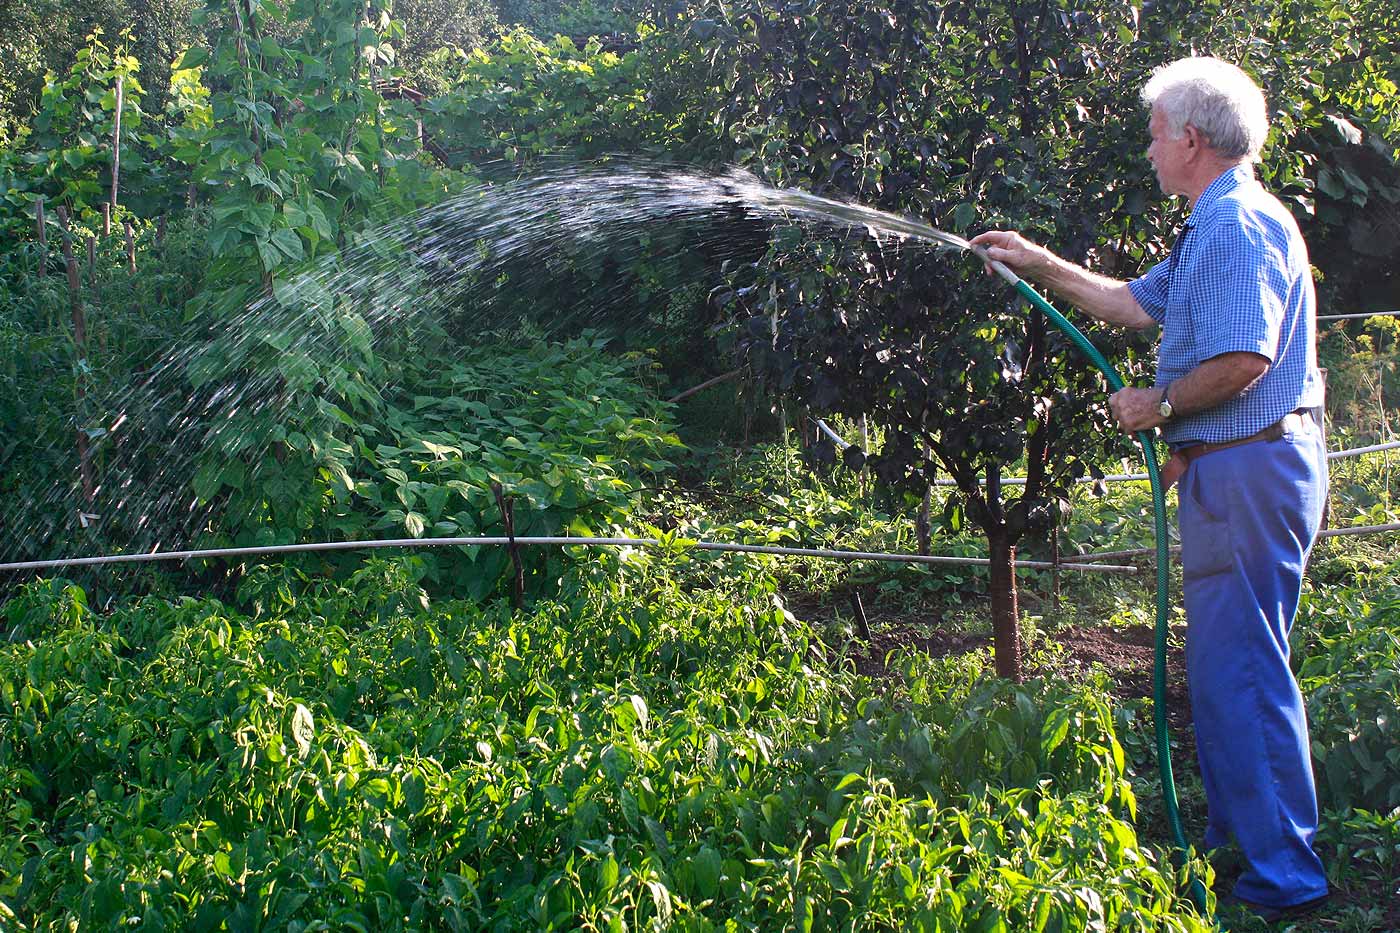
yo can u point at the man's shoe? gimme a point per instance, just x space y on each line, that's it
1274 914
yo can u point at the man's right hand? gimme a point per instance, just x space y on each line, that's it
1014 251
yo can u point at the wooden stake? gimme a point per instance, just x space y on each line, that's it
42 235
116 158
71 265
504 502
865 448
923 527
160 232
130 247
858 613
75 300
106 220
92 258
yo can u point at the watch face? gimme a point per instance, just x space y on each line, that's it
1165 409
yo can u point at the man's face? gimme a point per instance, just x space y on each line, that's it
1168 156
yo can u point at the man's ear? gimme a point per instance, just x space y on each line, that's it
1194 138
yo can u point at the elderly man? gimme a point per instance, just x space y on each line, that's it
1236 391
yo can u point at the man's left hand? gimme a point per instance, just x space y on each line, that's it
1136 409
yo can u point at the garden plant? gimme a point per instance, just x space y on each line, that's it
214 331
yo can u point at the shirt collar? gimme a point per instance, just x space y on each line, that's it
1225 182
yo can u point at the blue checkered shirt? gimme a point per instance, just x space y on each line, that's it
1237 280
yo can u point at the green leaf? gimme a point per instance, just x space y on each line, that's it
608 874
1329 184
963 215
270 255
1055 730
207 480
194 57
850 778
288 242
414 792
705 869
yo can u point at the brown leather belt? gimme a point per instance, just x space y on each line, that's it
1293 421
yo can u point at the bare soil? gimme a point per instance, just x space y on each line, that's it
1124 654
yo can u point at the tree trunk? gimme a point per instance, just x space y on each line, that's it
1005 615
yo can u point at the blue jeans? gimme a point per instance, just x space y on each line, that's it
1248 517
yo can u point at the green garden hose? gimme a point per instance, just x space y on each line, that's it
1159 508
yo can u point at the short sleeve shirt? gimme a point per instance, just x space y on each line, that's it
1238 280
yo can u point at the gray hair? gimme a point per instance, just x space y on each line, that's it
1216 98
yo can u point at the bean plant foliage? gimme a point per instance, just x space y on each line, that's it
568 451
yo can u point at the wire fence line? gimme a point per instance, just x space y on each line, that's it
1358 451
1085 562
1352 317
535 541
1077 559
842 444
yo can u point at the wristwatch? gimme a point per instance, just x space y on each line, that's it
1164 407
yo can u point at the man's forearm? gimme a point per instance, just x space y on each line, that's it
1215 382
1107 299
1212 383
1104 298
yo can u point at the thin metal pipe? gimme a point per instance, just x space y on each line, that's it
1021 480
1359 530
1352 317
840 442
1175 548
412 543
1358 451
1114 555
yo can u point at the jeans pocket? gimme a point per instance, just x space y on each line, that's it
1205 533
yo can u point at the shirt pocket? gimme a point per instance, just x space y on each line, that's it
1176 354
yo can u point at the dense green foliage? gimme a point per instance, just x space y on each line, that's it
654 740
636 753
1349 669
662 743
563 430
284 138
